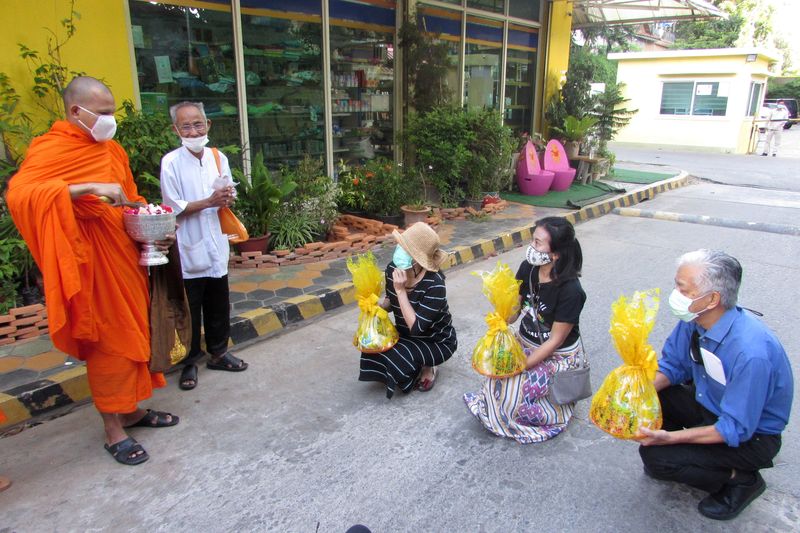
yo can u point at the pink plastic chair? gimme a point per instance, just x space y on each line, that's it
532 180
555 160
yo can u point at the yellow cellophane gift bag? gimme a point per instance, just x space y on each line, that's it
498 354
627 399
375 332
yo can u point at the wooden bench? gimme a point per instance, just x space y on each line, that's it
585 163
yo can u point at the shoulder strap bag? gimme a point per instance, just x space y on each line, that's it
228 222
566 386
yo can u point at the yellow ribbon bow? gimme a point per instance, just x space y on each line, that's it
496 324
369 306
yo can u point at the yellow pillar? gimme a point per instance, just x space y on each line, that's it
100 46
559 32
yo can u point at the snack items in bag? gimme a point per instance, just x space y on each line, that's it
627 399
375 332
498 354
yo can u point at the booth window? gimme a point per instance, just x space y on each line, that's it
495 6
698 98
755 98
524 9
483 55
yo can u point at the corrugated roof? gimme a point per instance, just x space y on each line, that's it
596 12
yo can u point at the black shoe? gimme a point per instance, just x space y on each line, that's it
773 155
765 154
731 499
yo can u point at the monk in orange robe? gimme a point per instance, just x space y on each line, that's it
96 293
4 481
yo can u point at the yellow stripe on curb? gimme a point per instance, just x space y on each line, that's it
14 410
309 305
264 321
346 291
74 383
508 241
488 248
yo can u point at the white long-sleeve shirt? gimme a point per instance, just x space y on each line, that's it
185 178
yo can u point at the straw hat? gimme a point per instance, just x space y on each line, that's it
422 244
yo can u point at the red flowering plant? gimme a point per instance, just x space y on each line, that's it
385 187
352 196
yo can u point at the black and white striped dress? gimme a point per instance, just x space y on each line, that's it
430 342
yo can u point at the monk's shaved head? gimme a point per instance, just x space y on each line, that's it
83 90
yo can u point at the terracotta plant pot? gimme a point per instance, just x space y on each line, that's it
413 215
254 244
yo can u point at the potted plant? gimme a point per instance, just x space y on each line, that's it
573 131
490 147
417 210
385 190
258 199
352 197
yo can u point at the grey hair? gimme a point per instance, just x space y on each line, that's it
173 111
719 272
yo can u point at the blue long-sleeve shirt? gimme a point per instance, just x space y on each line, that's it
757 395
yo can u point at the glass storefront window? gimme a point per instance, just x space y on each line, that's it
362 78
186 53
283 78
446 25
484 50
495 6
524 9
520 77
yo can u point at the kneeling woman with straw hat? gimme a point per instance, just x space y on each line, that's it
415 292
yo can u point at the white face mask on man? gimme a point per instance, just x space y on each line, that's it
195 144
679 305
104 127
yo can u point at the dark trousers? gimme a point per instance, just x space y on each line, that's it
704 466
209 301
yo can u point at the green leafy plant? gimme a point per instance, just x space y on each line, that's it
146 139
438 145
385 187
611 114
352 194
291 229
575 129
316 194
490 150
259 196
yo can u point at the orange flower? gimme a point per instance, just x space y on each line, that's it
556 153
355 181
370 174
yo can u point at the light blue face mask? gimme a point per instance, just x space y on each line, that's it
401 259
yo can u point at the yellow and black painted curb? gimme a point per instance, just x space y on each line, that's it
44 398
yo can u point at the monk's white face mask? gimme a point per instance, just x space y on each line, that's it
104 127
195 144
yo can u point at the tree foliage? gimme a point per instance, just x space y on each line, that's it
749 23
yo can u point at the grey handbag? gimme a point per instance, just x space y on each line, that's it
571 385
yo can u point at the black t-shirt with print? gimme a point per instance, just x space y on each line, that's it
557 303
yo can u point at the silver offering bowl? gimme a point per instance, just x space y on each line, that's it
147 229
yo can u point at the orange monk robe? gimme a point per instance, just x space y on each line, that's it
96 292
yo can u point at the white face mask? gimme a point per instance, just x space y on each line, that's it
679 305
104 127
537 258
195 144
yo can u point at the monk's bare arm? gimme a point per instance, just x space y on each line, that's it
112 191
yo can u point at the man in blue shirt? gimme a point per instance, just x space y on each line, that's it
725 386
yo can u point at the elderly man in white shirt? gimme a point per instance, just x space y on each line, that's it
196 182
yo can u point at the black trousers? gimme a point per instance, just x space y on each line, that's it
209 302
704 466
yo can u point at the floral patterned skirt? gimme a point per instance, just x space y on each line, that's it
518 407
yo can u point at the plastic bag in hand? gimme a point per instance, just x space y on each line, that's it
498 354
375 332
627 399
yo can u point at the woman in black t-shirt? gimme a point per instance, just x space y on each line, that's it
551 299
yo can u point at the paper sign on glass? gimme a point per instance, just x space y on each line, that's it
713 366
163 69
703 89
